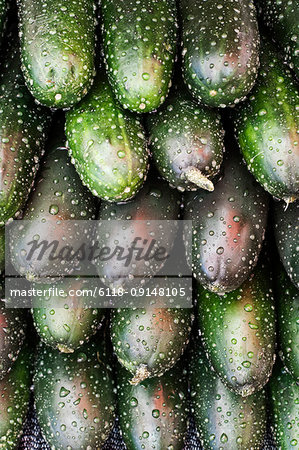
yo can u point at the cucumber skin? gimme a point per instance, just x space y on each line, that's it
157 406
228 225
107 145
220 415
184 135
266 127
205 50
84 372
238 332
15 394
287 306
287 237
283 397
139 38
52 79
2 249
23 128
282 18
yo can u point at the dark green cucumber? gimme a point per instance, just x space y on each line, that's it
284 398
57 49
14 399
74 397
66 323
228 227
267 125
220 49
58 195
2 249
107 145
224 419
3 10
149 341
287 304
286 231
238 332
186 143
154 414
22 133
139 47
282 19
12 334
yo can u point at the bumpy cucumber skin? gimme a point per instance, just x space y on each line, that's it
3 10
220 49
184 136
228 227
22 133
283 396
286 231
12 334
223 418
2 249
14 397
287 305
267 127
149 341
282 19
153 414
74 397
238 332
107 145
139 47
57 49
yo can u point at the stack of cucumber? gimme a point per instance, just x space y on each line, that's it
155 110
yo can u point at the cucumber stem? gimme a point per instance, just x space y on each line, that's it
195 176
141 374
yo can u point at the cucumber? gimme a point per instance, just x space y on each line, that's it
14 395
238 332
139 40
107 145
3 11
287 304
153 415
224 419
149 341
282 19
220 49
2 249
57 196
74 397
228 227
186 143
57 49
283 396
12 334
266 127
66 323
22 135
287 237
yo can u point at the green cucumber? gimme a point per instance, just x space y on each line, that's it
57 196
220 49
2 249
149 341
228 227
12 334
224 419
14 398
282 19
286 221
284 397
287 304
139 41
238 332
57 49
107 145
22 136
3 10
267 126
74 397
153 415
186 143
